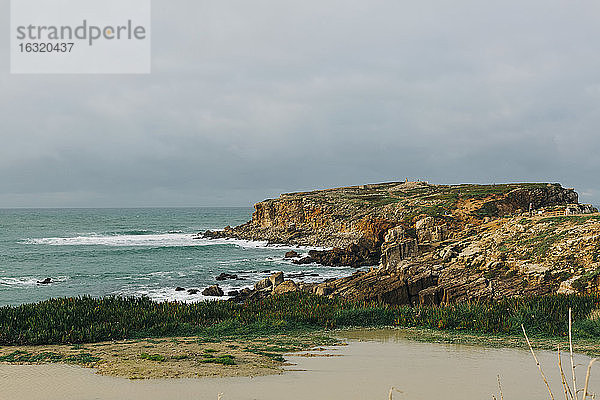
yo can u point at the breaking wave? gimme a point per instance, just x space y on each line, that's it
156 240
144 240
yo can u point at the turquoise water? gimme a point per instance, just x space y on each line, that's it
139 252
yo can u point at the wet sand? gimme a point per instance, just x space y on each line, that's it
374 361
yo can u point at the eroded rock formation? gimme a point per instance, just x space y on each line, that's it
435 243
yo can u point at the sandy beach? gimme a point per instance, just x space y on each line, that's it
372 363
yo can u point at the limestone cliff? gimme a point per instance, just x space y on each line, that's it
438 243
344 216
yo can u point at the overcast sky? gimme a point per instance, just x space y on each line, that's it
248 99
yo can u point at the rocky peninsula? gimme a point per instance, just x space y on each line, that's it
433 244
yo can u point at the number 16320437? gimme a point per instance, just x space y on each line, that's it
46 47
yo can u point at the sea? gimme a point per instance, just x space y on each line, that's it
134 252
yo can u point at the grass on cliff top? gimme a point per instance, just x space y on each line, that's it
87 320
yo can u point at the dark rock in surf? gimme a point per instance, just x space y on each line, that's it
46 281
305 260
224 277
214 291
193 291
292 254
179 289
301 275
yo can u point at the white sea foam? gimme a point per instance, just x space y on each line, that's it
154 240
26 281
158 240
170 294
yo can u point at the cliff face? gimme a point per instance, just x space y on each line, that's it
438 243
504 257
340 217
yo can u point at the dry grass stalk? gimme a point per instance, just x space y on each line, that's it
500 389
392 390
566 387
571 353
587 378
537 363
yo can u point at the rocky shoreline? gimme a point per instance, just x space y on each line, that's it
432 244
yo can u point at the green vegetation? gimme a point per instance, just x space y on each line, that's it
226 359
86 320
540 244
153 357
482 191
581 283
26 357
580 219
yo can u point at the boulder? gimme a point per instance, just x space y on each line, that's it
263 284
323 290
276 278
305 260
46 281
179 289
232 293
292 254
286 287
193 291
214 290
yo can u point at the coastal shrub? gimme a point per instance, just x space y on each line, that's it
88 320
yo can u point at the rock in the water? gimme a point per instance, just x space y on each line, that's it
193 291
355 255
301 275
233 293
179 289
305 260
263 284
46 281
276 278
214 290
224 277
292 254
286 287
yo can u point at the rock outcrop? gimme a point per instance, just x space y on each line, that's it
214 291
429 244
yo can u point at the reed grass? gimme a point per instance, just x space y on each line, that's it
569 394
88 320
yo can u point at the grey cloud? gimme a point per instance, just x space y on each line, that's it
249 99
